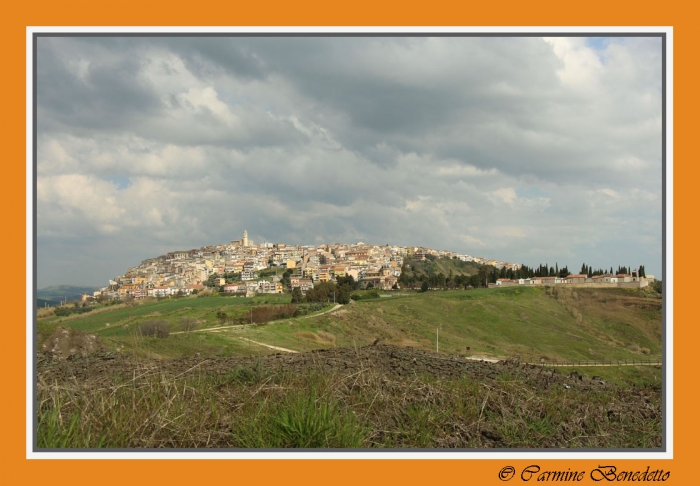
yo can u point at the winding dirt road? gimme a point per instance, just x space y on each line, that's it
242 326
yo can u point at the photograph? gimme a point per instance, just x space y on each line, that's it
337 241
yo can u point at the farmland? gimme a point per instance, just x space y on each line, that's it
418 386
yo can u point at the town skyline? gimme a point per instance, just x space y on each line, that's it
262 243
521 149
243 267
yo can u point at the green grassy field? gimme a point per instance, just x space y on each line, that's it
499 322
534 323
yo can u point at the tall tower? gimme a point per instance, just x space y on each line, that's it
245 237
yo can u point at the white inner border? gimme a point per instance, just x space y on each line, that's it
482 455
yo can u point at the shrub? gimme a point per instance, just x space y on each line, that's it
159 329
189 324
45 312
65 310
372 294
304 309
271 312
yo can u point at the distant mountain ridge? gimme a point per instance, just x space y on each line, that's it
55 294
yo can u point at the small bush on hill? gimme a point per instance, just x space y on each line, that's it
373 294
66 310
159 329
270 312
188 324
304 309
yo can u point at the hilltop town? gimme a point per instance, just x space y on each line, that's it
258 268
244 267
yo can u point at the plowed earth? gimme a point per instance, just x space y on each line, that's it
402 366
392 361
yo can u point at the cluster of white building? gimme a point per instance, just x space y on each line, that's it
607 280
183 272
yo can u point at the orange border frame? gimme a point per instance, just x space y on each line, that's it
315 13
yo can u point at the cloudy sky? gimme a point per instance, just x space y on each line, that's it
525 149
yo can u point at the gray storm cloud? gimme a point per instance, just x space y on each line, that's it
518 148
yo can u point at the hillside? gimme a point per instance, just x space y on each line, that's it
435 266
317 381
535 323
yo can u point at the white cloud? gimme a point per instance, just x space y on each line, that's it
581 66
521 148
506 195
467 171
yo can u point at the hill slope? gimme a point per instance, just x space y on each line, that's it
435 266
535 323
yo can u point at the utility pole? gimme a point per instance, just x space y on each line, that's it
437 340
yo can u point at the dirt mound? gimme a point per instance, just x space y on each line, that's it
66 342
395 362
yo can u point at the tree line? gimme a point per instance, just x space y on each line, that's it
489 274
546 271
409 280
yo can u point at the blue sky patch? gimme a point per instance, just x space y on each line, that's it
598 43
121 181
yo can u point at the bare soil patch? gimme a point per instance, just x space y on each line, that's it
401 396
391 361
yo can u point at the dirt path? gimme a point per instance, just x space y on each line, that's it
269 346
488 359
493 359
242 326
634 363
213 329
338 306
